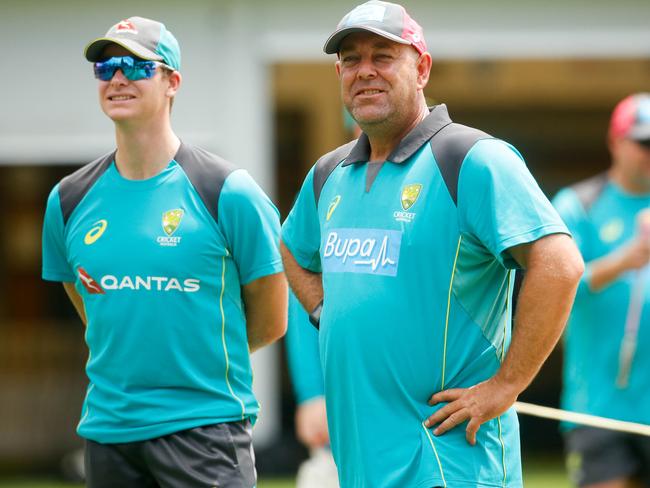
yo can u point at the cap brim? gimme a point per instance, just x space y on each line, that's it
333 43
94 50
640 133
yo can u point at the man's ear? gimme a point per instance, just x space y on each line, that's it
175 80
424 63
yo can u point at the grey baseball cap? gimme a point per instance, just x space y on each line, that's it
145 38
385 19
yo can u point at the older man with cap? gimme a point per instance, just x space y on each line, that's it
608 215
402 245
170 256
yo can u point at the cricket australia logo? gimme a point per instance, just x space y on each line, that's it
368 251
410 194
612 230
171 219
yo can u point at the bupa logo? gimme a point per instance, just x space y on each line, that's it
370 251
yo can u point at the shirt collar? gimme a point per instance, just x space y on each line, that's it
437 119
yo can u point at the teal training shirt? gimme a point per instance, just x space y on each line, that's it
594 334
159 264
417 300
302 354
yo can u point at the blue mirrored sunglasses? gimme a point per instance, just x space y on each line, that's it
134 69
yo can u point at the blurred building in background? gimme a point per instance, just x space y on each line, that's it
259 91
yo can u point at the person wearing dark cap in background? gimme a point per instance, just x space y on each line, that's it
607 341
170 256
402 245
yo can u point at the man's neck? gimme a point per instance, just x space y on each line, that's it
383 142
627 184
143 152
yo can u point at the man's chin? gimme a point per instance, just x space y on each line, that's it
645 183
117 115
368 118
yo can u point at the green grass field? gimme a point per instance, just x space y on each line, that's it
537 474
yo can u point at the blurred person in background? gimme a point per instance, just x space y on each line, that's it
403 246
607 340
170 256
319 470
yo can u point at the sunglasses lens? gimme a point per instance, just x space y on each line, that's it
140 70
104 71
133 69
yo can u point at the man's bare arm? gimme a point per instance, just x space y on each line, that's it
76 300
307 285
553 269
311 423
631 256
266 301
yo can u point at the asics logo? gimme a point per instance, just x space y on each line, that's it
332 206
96 232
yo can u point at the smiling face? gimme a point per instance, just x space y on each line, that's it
381 80
124 100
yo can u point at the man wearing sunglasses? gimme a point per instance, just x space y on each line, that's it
607 340
170 256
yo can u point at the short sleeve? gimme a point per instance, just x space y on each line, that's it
302 354
55 262
500 202
251 225
301 229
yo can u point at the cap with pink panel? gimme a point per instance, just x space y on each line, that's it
385 19
631 118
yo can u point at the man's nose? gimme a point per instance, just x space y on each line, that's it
119 78
366 69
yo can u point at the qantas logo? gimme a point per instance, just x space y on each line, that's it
150 283
137 283
89 283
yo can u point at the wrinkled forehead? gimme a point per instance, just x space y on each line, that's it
365 39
